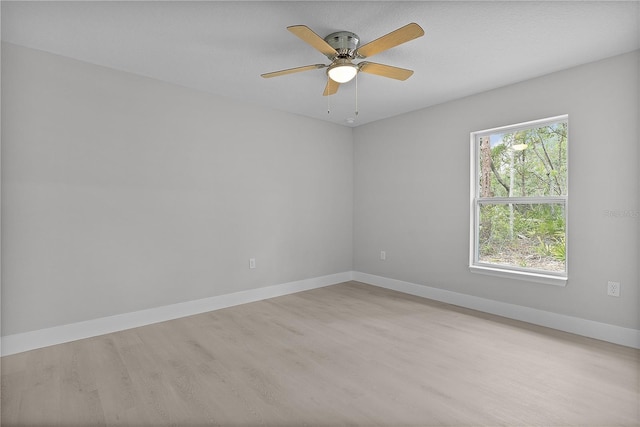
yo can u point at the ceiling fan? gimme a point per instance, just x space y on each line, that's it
343 47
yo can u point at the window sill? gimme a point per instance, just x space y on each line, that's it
546 279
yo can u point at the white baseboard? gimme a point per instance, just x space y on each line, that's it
26 341
588 328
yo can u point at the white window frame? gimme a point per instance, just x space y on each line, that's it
513 272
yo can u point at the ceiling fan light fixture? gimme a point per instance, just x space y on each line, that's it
343 47
342 71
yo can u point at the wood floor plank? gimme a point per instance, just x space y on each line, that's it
348 354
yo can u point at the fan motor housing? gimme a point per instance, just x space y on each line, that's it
344 42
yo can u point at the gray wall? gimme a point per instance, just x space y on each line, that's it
121 193
411 190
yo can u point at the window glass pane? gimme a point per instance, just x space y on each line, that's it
525 163
525 236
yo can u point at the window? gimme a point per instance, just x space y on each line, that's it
519 201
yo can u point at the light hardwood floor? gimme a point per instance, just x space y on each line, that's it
348 354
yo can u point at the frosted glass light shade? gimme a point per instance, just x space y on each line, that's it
343 73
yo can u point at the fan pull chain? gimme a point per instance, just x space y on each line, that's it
356 94
328 96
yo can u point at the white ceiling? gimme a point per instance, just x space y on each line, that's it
223 47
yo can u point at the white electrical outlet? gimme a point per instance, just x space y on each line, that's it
383 255
252 263
613 289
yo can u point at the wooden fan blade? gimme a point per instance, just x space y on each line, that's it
393 39
385 70
292 70
308 36
331 88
